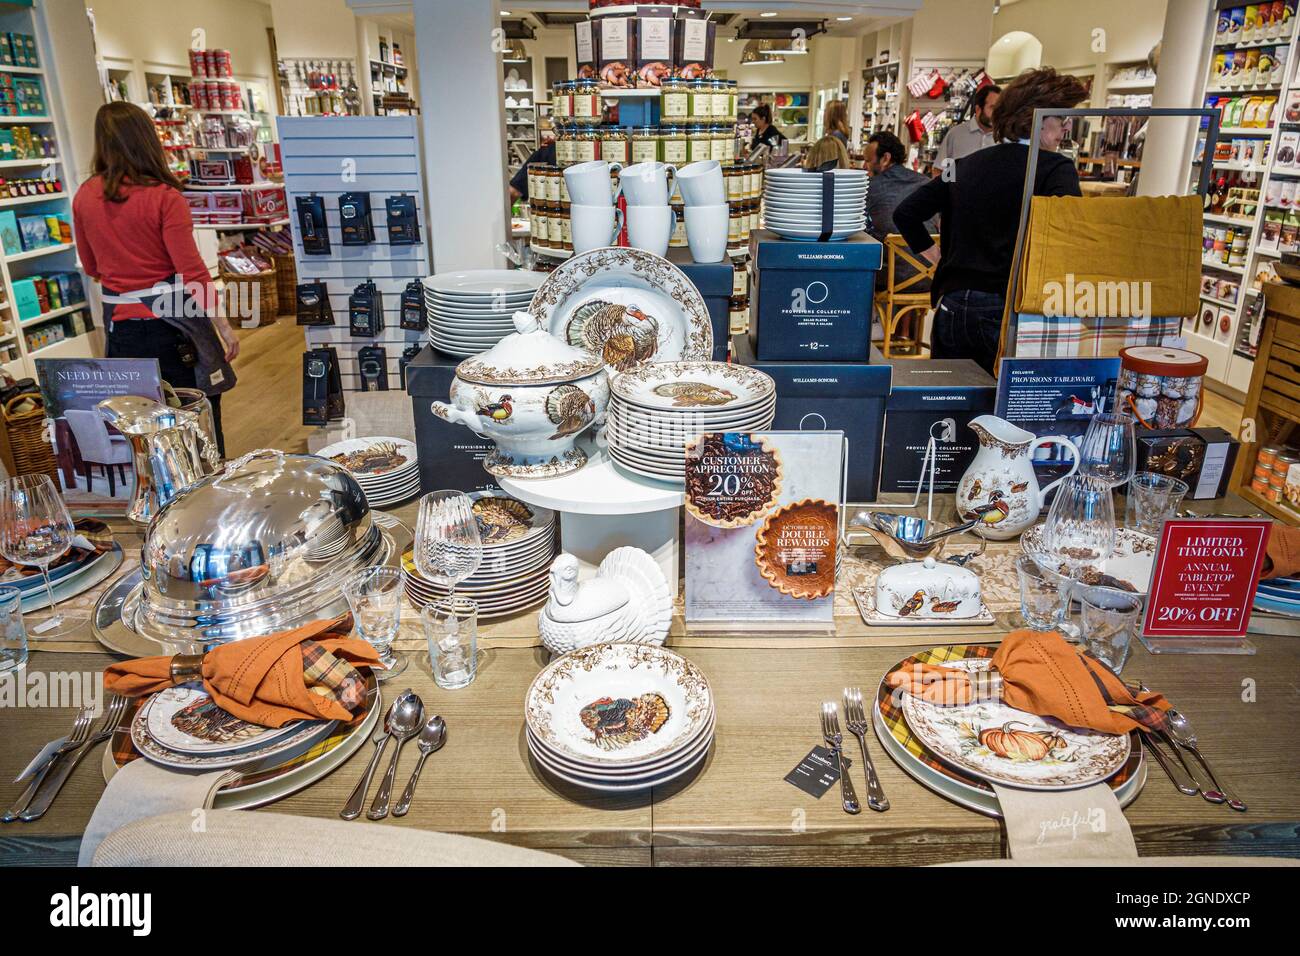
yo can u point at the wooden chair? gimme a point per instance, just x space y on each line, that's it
894 303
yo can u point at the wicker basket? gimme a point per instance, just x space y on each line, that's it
286 281
25 433
242 290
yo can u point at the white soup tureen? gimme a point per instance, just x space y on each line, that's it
533 395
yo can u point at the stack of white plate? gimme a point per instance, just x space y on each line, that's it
519 546
182 728
387 469
469 312
792 203
655 411
619 717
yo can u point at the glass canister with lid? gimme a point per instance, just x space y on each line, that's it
1160 385
675 101
586 101
699 145
646 144
615 145
701 101
673 145
562 101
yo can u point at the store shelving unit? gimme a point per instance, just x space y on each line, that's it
25 339
947 110
521 121
1226 330
793 119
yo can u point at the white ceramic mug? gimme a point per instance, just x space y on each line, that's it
589 183
648 184
702 184
706 231
650 228
595 227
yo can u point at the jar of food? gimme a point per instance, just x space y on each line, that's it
541 228
720 96
733 111
555 188
754 208
701 101
1259 486
739 221
615 145
562 101
673 143
564 146
675 101
566 232
735 176
1267 455
646 144
1282 465
740 281
698 147
718 143
738 312
586 145
586 101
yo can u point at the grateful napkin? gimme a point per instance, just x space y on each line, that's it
303 674
1044 674
1283 551
1053 825
142 789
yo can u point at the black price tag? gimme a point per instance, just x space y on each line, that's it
817 772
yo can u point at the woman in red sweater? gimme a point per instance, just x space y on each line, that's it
135 236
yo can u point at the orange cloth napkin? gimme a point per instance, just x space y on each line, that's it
303 674
1044 674
1283 559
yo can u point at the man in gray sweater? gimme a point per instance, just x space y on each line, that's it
891 182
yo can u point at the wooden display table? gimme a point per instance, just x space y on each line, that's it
1273 402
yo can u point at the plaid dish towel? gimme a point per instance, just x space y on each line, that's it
1038 336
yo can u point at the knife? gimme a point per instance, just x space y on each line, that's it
41 759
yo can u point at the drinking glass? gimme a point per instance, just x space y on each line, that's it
448 548
1109 618
1039 594
13 636
35 529
375 597
451 628
1108 450
1079 532
1151 498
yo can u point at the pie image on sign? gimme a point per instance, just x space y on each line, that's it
795 548
732 479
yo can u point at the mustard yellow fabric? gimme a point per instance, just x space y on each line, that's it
1100 241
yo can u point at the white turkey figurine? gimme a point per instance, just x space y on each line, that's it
628 600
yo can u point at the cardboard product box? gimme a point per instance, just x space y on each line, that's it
814 298
1202 457
840 396
584 38
938 397
27 300
696 44
715 281
265 204
615 37
1220 458
451 456
656 44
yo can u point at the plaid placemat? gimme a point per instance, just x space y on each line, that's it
896 723
1038 336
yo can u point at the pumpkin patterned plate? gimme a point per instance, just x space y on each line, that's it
1012 747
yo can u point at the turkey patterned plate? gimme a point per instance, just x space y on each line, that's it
626 305
503 520
693 386
612 705
1012 747
185 719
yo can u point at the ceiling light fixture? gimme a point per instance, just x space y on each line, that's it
770 13
759 53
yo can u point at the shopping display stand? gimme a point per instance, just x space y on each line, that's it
602 507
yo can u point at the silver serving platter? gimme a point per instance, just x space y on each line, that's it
262 547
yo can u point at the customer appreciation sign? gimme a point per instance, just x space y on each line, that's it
1204 578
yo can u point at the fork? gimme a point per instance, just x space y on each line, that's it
105 729
855 719
80 731
834 740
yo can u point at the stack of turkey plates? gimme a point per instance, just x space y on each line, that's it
387 469
656 410
519 546
792 203
619 717
469 312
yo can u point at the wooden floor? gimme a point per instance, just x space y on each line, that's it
265 409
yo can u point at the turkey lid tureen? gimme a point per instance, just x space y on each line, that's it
533 395
262 546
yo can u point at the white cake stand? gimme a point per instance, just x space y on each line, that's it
603 507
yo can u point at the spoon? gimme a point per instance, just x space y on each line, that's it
1182 732
404 721
352 809
432 738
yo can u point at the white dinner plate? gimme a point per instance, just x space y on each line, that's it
481 283
693 386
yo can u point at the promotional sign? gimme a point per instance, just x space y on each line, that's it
1203 584
762 527
1055 396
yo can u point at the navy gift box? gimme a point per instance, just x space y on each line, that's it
451 456
840 396
715 281
940 396
814 298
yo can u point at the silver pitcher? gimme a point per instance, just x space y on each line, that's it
174 449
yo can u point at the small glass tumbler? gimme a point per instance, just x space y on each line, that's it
375 597
1040 596
451 628
13 635
1150 499
1109 619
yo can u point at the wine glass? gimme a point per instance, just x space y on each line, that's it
374 596
36 530
448 548
1109 449
1079 533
